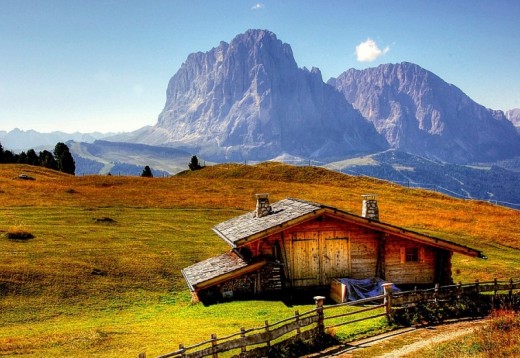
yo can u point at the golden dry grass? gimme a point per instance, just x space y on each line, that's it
86 287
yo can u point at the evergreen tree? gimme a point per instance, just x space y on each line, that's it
32 157
1 154
194 163
46 159
147 172
64 159
22 158
9 157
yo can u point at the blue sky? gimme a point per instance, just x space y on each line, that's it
93 65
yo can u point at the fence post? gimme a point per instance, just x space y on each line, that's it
319 309
495 292
510 288
436 292
297 319
142 355
243 349
181 348
387 288
477 286
213 344
268 335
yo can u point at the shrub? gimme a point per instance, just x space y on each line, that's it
431 313
18 233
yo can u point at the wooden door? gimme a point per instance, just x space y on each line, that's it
319 257
335 255
305 263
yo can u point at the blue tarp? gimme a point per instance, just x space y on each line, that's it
369 287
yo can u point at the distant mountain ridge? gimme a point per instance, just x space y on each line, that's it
492 183
104 157
419 113
20 140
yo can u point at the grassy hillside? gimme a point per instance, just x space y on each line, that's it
102 274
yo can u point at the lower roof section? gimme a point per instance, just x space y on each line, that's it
217 269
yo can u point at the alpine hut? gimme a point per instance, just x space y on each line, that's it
296 244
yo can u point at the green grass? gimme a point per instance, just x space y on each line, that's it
84 287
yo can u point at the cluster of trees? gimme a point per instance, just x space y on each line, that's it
60 160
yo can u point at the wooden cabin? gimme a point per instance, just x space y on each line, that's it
295 244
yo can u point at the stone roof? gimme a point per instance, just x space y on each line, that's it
212 268
247 225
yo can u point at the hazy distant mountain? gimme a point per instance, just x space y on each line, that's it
19 140
485 183
514 116
420 113
249 100
103 157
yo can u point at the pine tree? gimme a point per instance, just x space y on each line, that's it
32 157
47 160
64 159
194 163
147 172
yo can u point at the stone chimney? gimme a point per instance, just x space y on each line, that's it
262 205
370 209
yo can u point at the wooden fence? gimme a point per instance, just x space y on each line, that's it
256 342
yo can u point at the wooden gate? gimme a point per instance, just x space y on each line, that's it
318 257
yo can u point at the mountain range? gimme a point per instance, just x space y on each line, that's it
249 100
20 140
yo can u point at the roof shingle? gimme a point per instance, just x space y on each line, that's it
246 225
212 267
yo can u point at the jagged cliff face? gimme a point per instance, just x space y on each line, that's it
514 116
418 112
249 100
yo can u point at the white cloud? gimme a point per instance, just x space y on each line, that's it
368 51
257 6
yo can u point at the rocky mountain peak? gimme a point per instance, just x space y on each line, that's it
420 113
249 100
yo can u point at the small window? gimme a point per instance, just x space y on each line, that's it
412 254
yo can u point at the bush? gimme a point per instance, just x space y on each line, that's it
18 233
431 313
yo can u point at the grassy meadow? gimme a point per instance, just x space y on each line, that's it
101 275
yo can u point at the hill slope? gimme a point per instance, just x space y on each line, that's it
104 265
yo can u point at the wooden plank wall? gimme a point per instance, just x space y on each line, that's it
399 272
317 251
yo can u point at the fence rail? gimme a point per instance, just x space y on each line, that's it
312 323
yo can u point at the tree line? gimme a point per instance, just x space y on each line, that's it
61 159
